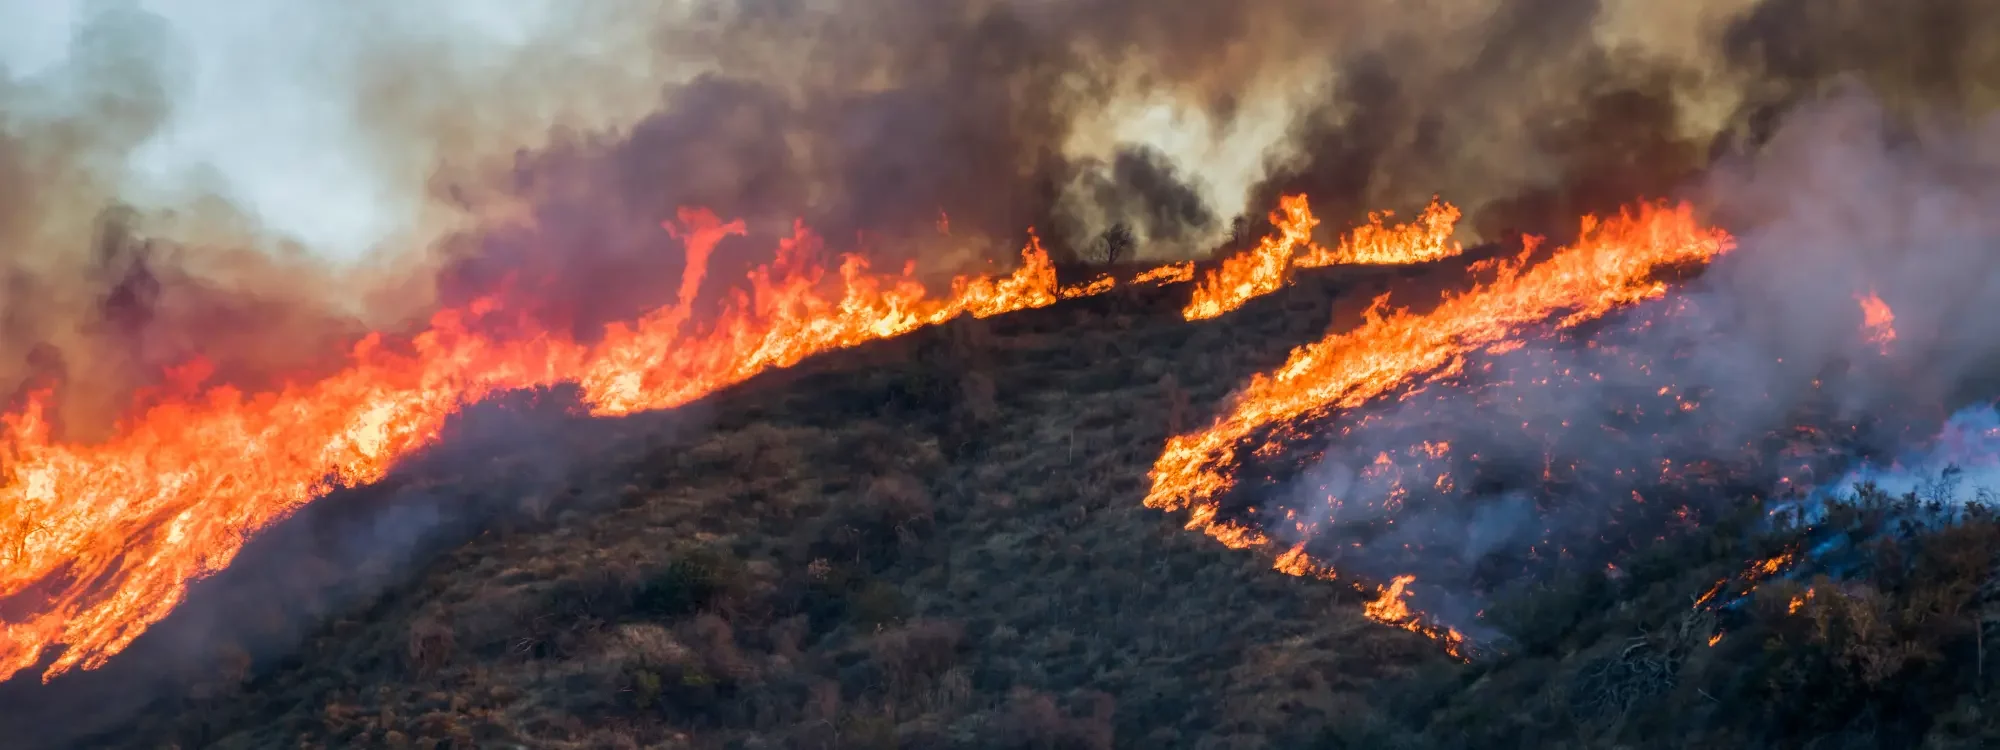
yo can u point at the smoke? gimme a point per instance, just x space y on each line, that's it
252 186
1666 415
258 186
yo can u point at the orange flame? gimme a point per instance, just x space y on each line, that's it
1258 271
1878 321
105 537
1172 273
1262 270
1095 286
1421 241
1611 264
1390 607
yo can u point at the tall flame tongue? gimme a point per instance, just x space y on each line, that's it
100 541
1262 270
1426 239
1878 322
1611 264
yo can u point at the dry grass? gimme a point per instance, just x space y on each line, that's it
931 542
936 542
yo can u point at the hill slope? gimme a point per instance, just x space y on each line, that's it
936 541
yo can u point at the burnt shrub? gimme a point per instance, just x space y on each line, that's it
685 587
874 529
876 603
691 582
917 651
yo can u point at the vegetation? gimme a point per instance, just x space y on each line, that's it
1891 652
936 541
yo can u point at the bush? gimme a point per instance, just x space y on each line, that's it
875 604
686 586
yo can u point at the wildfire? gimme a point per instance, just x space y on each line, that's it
1878 322
1426 239
1262 270
104 538
1172 273
1095 286
1611 264
1258 271
1388 607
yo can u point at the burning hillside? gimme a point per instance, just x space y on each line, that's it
1553 379
102 538
200 468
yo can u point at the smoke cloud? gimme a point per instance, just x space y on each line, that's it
1842 201
258 186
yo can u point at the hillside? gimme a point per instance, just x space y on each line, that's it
937 541
936 538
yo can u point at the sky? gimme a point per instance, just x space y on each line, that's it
264 111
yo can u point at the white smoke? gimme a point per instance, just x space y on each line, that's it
323 123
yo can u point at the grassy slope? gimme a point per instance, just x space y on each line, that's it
935 540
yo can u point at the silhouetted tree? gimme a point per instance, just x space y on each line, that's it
1114 245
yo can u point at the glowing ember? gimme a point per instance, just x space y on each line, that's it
1799 601
103 539
1611 264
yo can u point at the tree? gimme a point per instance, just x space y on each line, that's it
1114 245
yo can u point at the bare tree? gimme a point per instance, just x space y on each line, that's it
1114 245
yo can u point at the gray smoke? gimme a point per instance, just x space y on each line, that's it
286 178
1676 400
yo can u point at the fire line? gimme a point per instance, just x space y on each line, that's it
1610 265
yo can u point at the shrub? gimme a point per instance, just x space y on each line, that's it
686 586
875 604
431 642
917 651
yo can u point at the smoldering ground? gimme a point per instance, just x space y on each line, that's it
1660 418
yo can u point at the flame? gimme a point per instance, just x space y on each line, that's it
1878 321
1798 601
1426 239
104 538
1769 566
1258 271
1172 273
1262 270
1390 607
1611 264
1095 286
